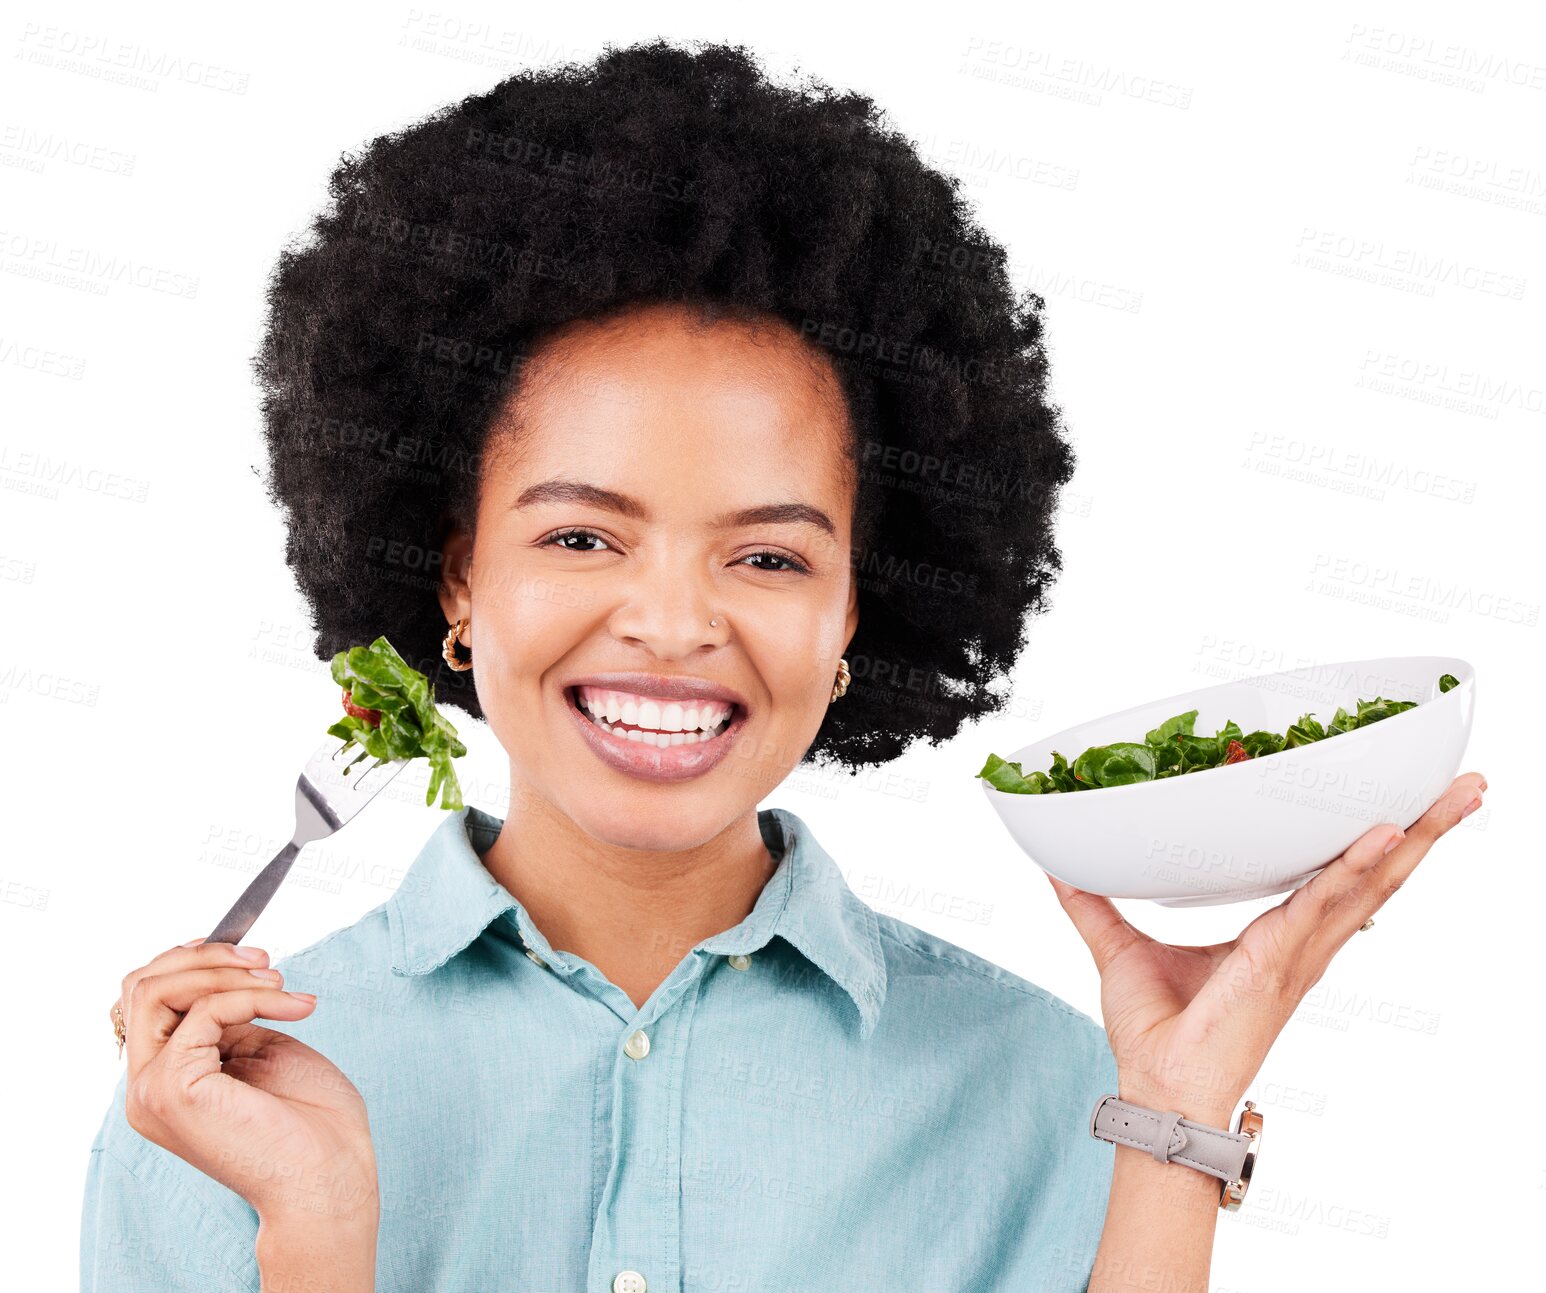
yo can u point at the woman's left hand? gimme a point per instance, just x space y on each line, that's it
1190 1026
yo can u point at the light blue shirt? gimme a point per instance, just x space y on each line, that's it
830 1099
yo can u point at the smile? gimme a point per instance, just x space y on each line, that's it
654 738
656 722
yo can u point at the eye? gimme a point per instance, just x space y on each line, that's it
791 564
558 536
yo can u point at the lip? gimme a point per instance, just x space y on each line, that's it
653 762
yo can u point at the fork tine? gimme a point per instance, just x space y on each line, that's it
327 786
359 781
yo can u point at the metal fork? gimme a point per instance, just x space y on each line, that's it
325 800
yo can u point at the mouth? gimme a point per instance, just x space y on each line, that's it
655 739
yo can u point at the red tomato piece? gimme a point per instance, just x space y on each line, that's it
370 716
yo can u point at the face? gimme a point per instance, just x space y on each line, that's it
653 473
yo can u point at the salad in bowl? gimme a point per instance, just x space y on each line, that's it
1240 790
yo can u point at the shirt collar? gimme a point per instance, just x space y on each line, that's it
448 898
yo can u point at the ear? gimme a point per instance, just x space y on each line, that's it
852 623
455 591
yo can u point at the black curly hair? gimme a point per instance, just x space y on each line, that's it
398 326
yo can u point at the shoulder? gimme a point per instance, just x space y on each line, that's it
914 950
924 965
1020 1070
363 1006
358 954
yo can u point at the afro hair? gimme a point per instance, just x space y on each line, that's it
398 325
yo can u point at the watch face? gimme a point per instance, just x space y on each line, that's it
1250 1123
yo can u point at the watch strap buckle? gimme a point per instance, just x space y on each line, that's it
1170 1138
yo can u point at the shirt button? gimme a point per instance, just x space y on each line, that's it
628 1282
636 1047
739 961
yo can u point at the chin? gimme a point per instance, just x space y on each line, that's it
657 820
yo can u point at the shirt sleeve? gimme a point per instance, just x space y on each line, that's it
151 1220
1092 1161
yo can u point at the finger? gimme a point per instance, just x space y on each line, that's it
161 1001
193 1049
168 1080
183 957
1324 913
1104 929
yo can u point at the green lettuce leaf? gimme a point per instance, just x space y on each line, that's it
410 726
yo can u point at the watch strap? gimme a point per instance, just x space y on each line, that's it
1170 1138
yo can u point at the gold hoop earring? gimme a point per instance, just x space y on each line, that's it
448 647
840 687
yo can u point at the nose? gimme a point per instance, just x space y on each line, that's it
666 608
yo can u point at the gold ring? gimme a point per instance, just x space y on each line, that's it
118 1028
1368 924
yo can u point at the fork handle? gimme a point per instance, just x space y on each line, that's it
255 897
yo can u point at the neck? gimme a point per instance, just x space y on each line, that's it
632 913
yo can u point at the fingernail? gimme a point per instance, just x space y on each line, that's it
302 996
192 942
251 953
1484 783
1471 807
268 976
1394 840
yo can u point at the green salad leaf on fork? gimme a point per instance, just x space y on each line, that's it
390 714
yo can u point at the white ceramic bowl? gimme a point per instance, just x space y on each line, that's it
1263 826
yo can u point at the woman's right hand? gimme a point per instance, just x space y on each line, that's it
259 1111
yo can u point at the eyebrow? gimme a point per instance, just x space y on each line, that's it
576 491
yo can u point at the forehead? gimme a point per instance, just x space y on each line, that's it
659 386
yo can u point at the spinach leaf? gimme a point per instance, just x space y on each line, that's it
1115 765
1260 743
1181 724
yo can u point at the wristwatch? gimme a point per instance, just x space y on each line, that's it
1228 1155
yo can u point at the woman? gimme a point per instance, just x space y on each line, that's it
695 422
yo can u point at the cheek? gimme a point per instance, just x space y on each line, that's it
794 649
528 624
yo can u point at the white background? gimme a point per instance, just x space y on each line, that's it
1294 278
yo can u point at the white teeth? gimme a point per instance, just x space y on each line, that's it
672 722
661 739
